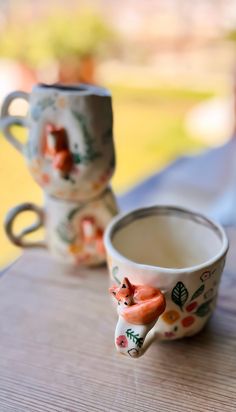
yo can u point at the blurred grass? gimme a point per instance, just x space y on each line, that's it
149 133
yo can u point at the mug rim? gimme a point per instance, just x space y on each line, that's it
81 89
126 218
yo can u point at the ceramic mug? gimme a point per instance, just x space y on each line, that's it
74 231
166 264
70 151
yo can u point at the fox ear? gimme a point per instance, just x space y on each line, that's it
113 290
126 284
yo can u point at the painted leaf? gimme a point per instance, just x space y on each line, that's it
90 142
191 306
66 232
134 337
76 158
204 309
115 271
179 294
198 292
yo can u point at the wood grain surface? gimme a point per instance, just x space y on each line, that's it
57 353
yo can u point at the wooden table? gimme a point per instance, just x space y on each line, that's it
57 353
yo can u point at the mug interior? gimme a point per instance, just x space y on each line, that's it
167 237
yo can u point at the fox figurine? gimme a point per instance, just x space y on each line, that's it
139 307
57 149
92 235
139 304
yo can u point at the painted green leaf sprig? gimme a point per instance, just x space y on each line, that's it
134 337
91 152
115 271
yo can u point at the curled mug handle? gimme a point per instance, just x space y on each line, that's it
7 121
18 239
134 331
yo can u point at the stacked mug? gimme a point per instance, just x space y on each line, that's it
70 154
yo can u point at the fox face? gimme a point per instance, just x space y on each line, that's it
138 304
123 293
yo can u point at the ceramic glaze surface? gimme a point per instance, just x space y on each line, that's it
190 291
70 151
75 233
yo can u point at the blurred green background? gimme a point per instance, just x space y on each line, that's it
169 66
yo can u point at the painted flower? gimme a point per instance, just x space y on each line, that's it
169 335
191 306
122 341
97 185
75 249
188 321
171 316
205 276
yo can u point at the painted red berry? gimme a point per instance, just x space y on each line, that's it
191 306
188 321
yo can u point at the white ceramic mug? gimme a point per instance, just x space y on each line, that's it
69 151
73 231
165 265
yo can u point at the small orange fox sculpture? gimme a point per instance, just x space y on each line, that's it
139 304
92 234
57 148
